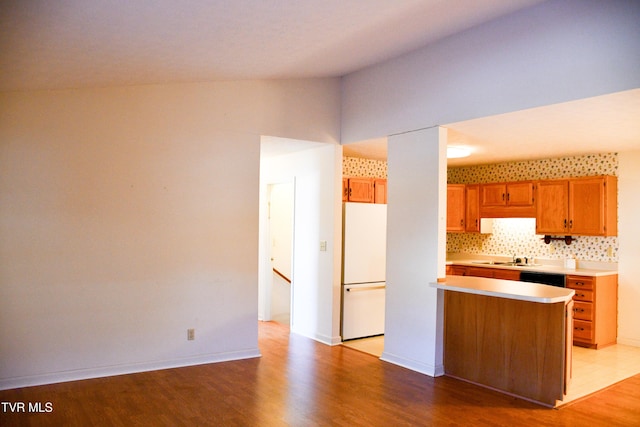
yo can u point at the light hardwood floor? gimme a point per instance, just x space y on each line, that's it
593 370
299 382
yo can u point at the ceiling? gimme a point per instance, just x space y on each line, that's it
603 124
89 43
95 43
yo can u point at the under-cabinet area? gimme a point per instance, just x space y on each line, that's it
573 206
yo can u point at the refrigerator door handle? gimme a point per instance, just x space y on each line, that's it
364 289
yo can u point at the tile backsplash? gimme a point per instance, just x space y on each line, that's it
517 235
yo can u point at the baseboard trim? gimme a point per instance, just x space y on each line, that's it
414 365
109 371
324 339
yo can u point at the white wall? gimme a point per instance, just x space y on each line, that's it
629 238
315 289
554 52
128 215
415 250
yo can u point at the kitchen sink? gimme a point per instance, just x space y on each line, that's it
506 263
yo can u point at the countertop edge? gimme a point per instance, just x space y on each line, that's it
484 288
541 268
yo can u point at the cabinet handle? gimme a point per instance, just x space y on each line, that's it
579 283
578 329
570 224
580 295
565 223
476 222
508 196
503 197
462 222
578 310
350 192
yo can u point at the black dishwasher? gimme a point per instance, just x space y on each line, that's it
553 279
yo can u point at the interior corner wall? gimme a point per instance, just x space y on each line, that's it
629 241
315 287
556 51
415 250
129 215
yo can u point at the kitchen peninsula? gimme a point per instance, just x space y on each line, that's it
507 335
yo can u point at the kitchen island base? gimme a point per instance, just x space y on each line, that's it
521 348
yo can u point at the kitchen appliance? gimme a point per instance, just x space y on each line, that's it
553 279
364 244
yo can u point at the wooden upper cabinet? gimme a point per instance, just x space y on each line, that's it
578 206
345 189
552 207
472 211
360 190
380 190
455 208
520 194
494 195
507 200
593 206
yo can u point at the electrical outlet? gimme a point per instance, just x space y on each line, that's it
323 245
191 334
609 251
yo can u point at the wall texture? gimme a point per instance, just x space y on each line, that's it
129 215
358 167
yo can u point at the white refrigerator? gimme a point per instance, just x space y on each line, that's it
363 269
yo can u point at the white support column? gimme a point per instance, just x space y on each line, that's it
416 250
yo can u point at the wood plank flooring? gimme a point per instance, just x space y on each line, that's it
299 382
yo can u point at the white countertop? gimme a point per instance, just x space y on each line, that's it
543 268
510 289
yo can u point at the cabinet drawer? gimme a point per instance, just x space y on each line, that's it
583 310
480 272
582 295
506 274
578 282
582 330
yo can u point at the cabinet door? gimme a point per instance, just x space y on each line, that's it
586 206
361 190
552 206
520 193
493 195
345 189
380 190
472 217
455 207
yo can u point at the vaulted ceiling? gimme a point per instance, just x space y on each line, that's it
93 43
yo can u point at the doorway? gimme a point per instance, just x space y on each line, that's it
281 217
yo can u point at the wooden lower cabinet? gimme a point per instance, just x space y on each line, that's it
456 270
595 311
488 272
